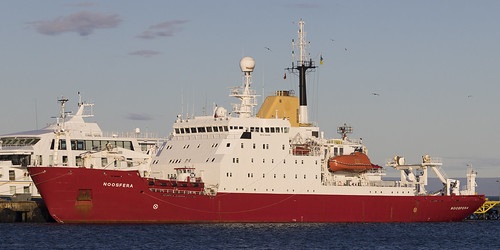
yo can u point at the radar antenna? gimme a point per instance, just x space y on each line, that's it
344 130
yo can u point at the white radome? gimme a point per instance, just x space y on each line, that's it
247 64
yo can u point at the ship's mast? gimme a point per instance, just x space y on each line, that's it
304 63
59 130
245 93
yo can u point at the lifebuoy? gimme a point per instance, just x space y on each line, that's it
192 175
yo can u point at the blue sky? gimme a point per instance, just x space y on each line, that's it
434 64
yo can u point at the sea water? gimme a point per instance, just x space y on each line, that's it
456 235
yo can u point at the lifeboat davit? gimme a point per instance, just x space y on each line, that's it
354 162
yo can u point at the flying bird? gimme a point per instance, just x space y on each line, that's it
268 48
375 94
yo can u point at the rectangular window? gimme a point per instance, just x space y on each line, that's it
128 145
104 162
79 145
79 161
96 145
62 145
12 175
26 189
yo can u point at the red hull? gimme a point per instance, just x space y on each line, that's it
75 195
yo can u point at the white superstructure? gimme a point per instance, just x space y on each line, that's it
278 151
71 141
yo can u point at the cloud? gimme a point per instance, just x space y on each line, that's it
139 117
165 29
145 53
83 23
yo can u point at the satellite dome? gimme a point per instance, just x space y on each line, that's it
247 64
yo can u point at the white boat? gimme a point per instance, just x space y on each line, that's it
70 141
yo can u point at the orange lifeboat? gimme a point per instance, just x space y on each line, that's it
354 162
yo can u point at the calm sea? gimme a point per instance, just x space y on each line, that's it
458 235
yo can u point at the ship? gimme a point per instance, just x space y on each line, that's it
273 166
71 141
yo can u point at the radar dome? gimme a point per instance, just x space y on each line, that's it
247 64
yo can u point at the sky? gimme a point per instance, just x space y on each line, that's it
411 77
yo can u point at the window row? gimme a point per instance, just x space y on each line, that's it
251 175
18 141
92 144
237 160
210 129
194 130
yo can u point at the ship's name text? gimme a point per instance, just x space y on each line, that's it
459 208
118 184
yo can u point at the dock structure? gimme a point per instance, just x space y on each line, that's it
488 211
23 211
